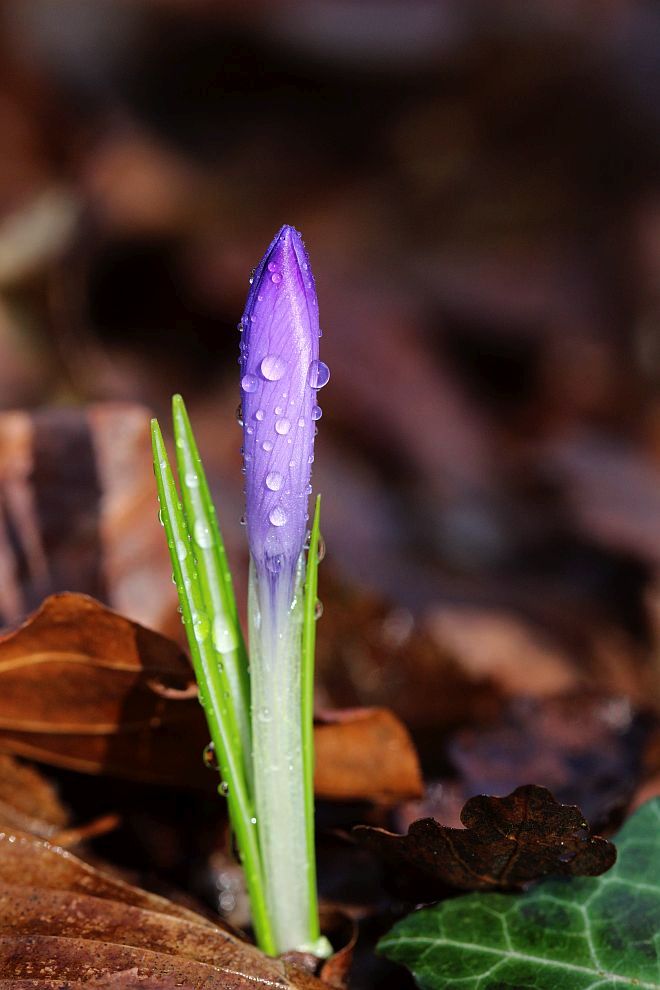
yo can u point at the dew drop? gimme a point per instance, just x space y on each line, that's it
275 277
249 430
201 627
317 412
260 298
192 481
259 414
272 368
181 550
282 426
264 714
278 410
320 552
209 758
319 374
277 516
223 788
239 407
224 636
253 821
310 459
274 564
243 520
301 422
308 490
202 535
160 517
272 267
249 383
267 445
318 609
274 481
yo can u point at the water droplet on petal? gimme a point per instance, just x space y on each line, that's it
272 368
239 407
272 267
317 412
282 426
259 414
267 445
319 374
308 490
274 564
275 277
249 383
301 422
202 535
277 516
274 481
181 550
243 520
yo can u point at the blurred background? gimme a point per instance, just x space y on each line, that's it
478 187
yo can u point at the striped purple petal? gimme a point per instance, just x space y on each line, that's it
280 377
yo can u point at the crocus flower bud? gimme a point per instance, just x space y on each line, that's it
280 376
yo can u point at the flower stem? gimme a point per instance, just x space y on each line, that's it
275 619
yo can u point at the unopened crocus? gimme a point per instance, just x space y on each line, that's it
280 377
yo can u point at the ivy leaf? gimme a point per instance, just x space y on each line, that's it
582 934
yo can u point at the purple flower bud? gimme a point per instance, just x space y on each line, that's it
280 377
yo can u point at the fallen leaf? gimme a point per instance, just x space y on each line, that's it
28 801
506 842
581 934
365 753
78 512
62 918
80 688
86 688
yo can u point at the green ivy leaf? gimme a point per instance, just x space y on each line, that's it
598 933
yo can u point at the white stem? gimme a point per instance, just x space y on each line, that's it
275 622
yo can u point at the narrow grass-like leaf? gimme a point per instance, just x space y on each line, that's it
214 575
212 689
307 701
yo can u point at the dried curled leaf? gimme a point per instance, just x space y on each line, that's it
506 843
77 689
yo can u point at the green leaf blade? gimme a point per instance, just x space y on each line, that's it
214 576
212 686
307 701
577 934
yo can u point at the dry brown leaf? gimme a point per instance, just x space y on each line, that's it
78 512
27 801
85 688
365 753
62 918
